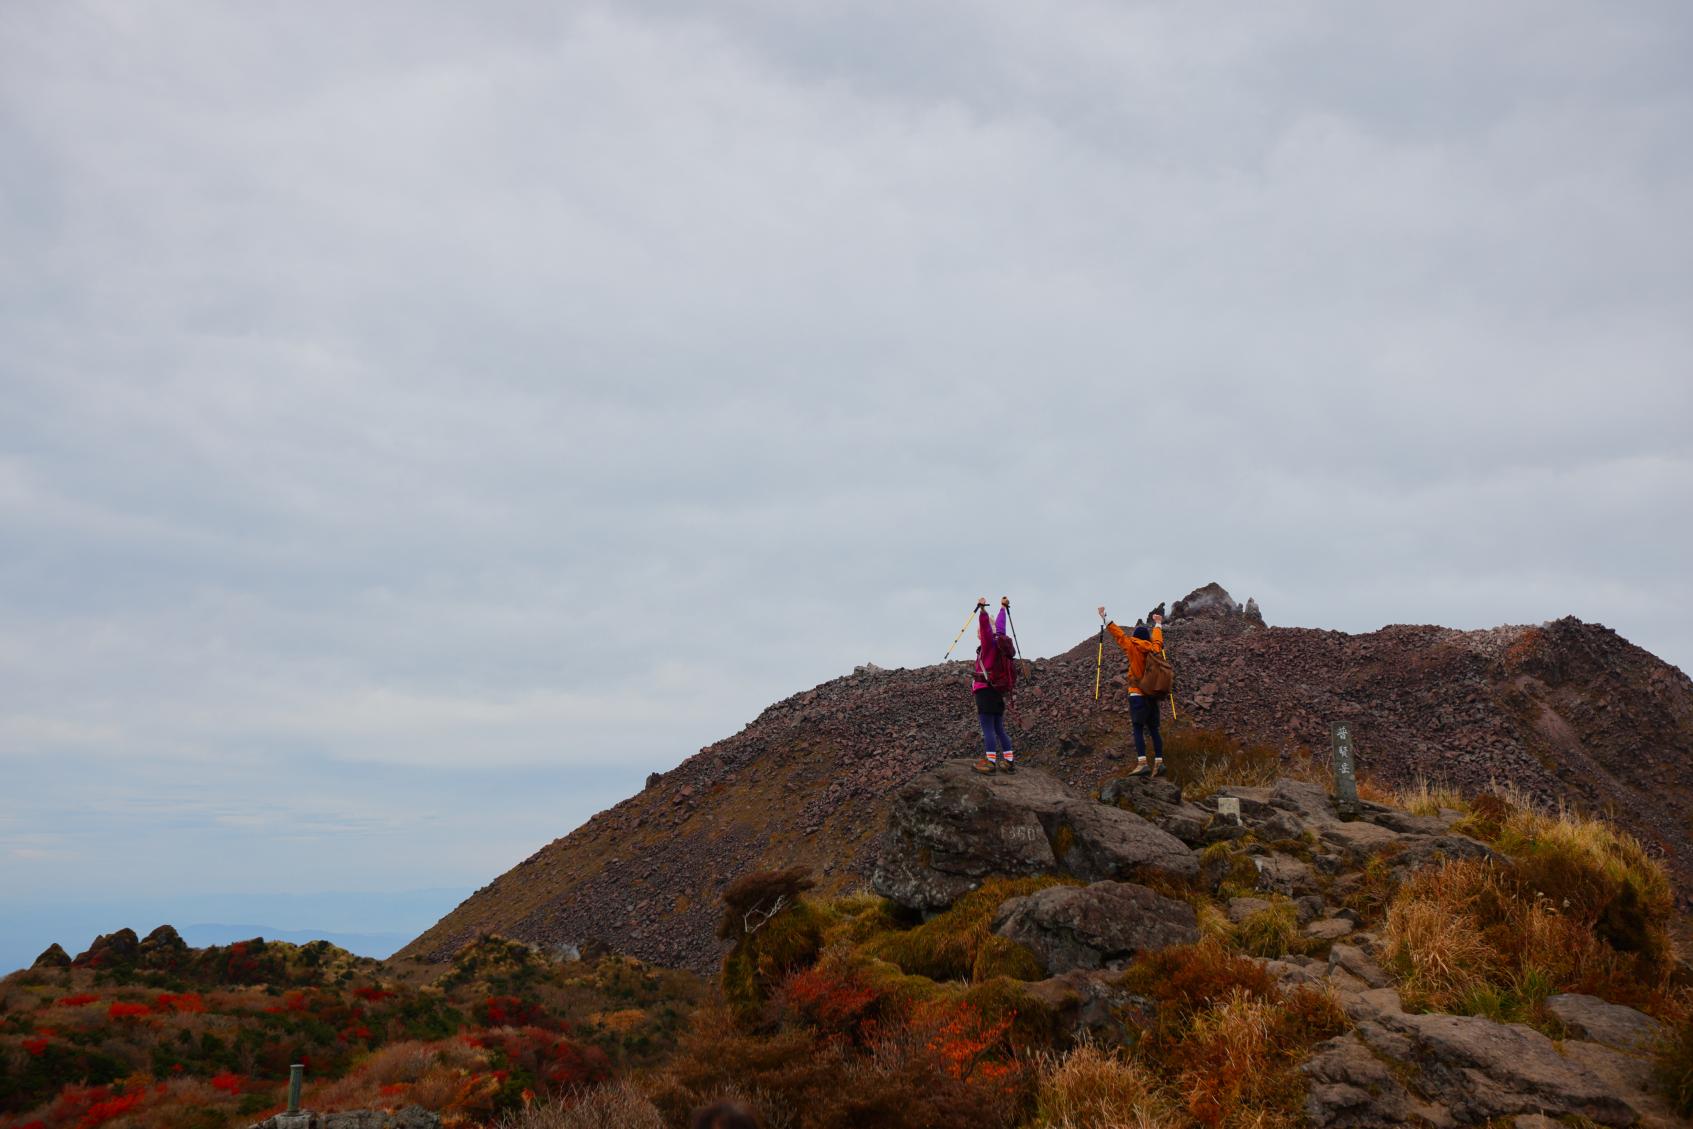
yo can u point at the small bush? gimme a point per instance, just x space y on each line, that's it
1185 979
1472 937
780 944
1598 875
855 918
836 999
946 947
750 901
1239 1062
1214 923
1229 868
1001 956
1272 931
1092 1088
1226 1037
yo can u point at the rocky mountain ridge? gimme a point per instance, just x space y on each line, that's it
1564 711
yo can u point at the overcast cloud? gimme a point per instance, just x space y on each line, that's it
420 421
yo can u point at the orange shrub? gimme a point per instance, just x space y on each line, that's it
189 1002
836 1001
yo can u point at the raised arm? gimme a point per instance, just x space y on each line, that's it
1122 638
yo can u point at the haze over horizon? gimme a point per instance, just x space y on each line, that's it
420 424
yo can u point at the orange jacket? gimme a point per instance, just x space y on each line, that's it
1137 650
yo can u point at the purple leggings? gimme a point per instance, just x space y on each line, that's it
993 728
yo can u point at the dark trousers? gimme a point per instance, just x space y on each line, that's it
990 711
1144 714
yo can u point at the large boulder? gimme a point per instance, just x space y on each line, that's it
1099 926
951 828
1396 1068
1598 1021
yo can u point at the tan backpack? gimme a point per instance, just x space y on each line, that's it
1159 676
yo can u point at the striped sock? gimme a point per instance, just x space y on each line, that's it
1009 755
991 755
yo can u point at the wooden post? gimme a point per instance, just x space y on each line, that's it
296 1075
1345 771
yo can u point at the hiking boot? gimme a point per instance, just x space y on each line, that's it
1142 769
1011 766
984 766
1158 767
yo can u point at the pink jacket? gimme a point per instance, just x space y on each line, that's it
988 657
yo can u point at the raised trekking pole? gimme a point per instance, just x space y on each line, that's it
1011 622
1099 660
961 632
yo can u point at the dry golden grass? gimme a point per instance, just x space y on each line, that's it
1434 934
431 1075
1527 834
1091 1088
1213 764
1214 923
1238 1064
1473 937
1272 931
1213 778
616 1105
1423 798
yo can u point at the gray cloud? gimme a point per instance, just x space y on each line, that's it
464 405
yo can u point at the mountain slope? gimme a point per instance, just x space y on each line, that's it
1564 711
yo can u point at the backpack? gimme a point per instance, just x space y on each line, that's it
1002 675
1158 677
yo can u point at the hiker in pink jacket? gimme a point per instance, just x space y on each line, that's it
995 677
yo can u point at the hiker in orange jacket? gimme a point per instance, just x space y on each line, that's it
1143 712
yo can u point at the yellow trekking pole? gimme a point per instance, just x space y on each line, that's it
1174 714
961 631
1098 662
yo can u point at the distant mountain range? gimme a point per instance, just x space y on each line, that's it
369 923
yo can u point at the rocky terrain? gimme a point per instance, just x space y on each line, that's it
1564 711
952 828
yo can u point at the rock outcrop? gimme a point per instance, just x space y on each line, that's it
1396 1068
108 949
52 957
1214 606
1104 925
951 828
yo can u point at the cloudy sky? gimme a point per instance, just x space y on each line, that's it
420 421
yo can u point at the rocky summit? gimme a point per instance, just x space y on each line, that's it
1565 711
